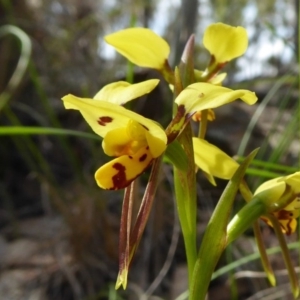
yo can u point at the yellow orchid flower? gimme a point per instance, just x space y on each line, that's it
212 161
225 42
121 92
286 212
133 139
141 46
201 95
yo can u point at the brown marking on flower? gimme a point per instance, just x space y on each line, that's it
173 129
104 120
288 228
180 111
144 126
286 216
143 157
119 180
283 215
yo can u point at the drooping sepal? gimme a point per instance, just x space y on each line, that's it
213 161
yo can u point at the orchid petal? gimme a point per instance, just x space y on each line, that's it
121 92
141 46
273 192
293 180
200 96
273 189
225 42
120 172
213 161
103 117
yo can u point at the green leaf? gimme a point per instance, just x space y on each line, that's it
30 130
186 200
176 156
214 240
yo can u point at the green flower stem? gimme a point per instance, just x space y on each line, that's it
247 195
185 180
215 240
245 218
263 254
245 191
185 190
286 255
175 155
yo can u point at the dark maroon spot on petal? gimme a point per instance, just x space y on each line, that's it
143 157
147 148
119 180
130 156
104 120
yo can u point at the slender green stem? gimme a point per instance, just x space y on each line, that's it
286 255
263 254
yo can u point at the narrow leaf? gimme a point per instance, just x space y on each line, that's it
175 155
214 240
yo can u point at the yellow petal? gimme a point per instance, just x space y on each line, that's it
272 189
288 226
293 180
156 145
212 160
121 92
103 117
287 221
200 96
115 140
225 42
120 172
141 46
